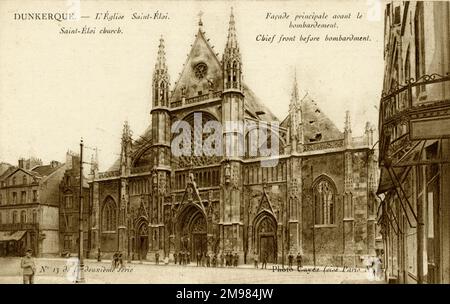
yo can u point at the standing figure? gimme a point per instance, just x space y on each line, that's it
235 259
291 260
157 257
175 256
199 258
208 260
214 260
99 255
120 260
29 267
188 258
299 261
264 260
221 258
180 257
114 260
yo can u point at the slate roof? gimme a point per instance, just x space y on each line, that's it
316 124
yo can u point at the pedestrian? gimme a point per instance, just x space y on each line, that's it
188 258
299 261
221 258
208 260
235 259
99 255
120 260
255 259
214 260
114 260
29 267
157 257
264 261
180 257
291 260
378 271
199 258
175 256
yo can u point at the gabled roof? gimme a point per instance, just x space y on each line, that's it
201 51
45 170
253 105
316 124
7 172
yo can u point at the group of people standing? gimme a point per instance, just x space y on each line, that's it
117 260
229 259
182 258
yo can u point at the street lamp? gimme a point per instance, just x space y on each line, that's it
80 274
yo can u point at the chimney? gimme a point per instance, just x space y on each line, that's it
22 163
54 163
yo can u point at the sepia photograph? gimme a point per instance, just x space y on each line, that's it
224 142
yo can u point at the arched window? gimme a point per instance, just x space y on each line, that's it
35 219
23 216
324 200
14 217
24 180
109 215
14 180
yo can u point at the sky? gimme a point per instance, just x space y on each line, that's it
56 88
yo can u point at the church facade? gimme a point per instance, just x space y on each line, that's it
318 199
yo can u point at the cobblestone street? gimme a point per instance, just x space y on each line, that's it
55 271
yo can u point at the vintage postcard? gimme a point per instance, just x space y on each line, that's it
224 142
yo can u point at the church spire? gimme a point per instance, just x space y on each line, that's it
161 78
232 65
294 94
161 65
232 37
295 111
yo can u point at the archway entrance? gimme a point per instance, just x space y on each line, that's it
266 237
142 239
192 231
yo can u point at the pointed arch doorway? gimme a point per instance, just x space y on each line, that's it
266 237
142 239
192 231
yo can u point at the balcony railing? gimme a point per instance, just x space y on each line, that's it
339 143
427 90
196 99
108 174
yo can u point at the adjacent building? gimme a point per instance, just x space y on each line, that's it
29 203
69 200
414 127
319 199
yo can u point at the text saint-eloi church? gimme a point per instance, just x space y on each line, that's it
319 200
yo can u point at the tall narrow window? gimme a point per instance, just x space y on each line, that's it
68 201
324 200
23 197
23 216
35 219
14 217
14 197
109 215
24 180
34 196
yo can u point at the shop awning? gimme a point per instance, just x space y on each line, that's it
6 236
385 184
